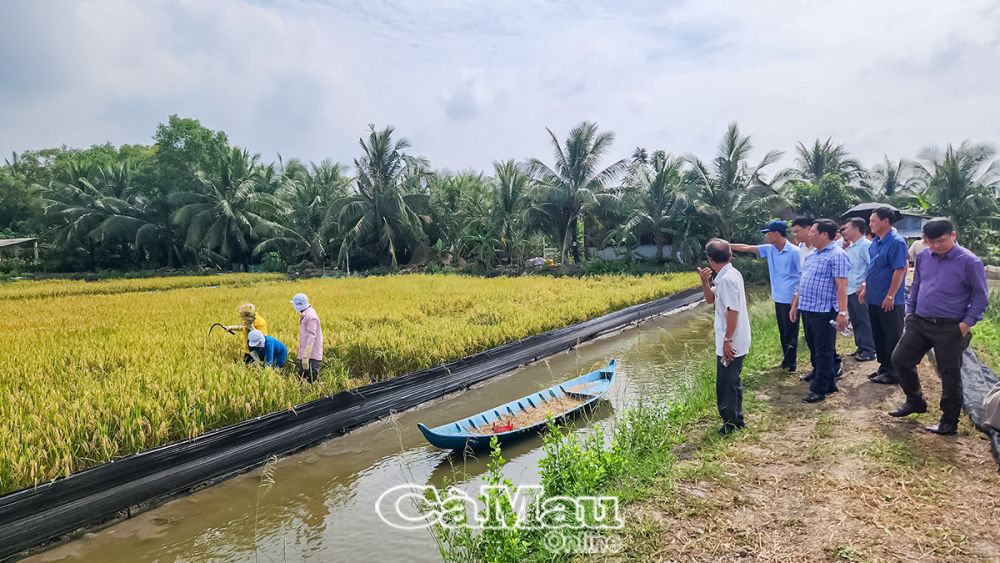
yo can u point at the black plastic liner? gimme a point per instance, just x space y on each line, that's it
31 517
977 380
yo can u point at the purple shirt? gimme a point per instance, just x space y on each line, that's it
952 286
310 334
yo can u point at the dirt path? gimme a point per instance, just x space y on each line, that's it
837 481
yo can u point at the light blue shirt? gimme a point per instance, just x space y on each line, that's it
858 253
783 267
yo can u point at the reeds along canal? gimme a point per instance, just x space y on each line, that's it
320 503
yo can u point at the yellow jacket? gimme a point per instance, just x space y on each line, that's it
258 323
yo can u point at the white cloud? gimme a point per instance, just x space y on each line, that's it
469 83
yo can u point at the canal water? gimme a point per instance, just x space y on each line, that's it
320 504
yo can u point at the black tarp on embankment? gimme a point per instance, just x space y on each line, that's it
31 517
977 380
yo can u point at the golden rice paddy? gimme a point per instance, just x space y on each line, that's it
92 371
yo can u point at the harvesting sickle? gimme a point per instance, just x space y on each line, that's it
220 325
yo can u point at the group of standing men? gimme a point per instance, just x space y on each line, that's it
835 275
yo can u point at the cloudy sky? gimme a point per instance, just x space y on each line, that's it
472 82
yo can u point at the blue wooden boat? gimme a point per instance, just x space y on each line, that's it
477 430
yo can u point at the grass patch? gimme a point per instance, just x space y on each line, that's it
847 553
986 333
887 451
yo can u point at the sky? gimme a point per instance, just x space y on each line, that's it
469 83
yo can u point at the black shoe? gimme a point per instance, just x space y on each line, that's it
943 428
908 408
860 358
840 373
812 398
808 377
728 429
884 379
832 390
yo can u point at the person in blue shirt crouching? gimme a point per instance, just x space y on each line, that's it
266 349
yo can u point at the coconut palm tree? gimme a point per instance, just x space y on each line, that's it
308 211
890 181
822 159
575 184
69 209
661 199
231 212
511 202
457 200
133 217
730 192
962 184
382 211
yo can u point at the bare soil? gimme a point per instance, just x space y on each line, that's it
836 481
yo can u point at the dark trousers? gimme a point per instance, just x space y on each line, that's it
886 330
861 324
788 334
837 360
821 337
945 338
729 391
312 374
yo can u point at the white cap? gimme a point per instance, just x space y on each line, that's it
255 338
300 302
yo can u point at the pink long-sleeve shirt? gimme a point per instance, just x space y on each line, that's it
310 334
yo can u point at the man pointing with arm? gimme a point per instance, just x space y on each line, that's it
783 267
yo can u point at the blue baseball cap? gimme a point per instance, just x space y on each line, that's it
777 227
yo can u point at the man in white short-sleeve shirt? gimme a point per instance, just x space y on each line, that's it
732 331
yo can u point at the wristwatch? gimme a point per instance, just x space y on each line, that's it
727 339
842 313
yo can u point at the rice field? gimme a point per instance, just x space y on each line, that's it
92 371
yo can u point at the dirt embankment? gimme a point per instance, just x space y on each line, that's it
840 480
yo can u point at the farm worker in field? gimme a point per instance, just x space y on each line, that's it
310 338
266 349
249 320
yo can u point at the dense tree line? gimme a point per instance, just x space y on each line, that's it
192 200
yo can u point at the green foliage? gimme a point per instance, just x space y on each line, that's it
823 160
662 209
986 333
384 212
575 185
190 200
501 541
273 262
730 192
828 197
963 184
